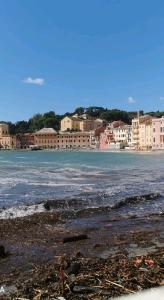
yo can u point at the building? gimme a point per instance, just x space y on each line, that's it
136 130
7 141
75 123
107 137
70 123
26 140
145 134
158 133
4 129
48 138
95 137
122 135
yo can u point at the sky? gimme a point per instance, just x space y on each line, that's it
61 54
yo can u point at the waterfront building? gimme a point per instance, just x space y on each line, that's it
7 141
122 135
158 133
48 138
26 140
107 137
95 137
145 134
137 131
75 123
4 129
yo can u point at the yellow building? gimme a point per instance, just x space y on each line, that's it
4 129
70 123
7 141
48 138
80 124
137 131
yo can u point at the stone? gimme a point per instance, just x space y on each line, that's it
83 289
75 238
2 251
74 268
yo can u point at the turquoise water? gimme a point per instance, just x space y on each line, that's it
99 177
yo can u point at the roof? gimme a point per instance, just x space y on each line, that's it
46 130
74 118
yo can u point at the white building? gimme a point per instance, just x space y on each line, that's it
122 134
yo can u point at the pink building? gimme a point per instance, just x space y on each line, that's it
158 134
105 138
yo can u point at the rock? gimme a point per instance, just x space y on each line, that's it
2 251
79 254
82 289
47 205
74 268
75 238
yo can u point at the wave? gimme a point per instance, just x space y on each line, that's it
75 203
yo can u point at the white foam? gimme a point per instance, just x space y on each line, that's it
20 211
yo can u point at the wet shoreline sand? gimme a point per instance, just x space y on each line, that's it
35 246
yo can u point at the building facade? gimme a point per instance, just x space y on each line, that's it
158 134
79 124
138 131
26 140
7 141
48 138
145 135
122 134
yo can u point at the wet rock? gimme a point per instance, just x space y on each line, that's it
75 238
136 199
74 268
47 205
2 251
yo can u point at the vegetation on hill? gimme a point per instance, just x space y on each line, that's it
50 119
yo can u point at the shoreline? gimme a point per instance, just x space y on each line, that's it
35 246
88 150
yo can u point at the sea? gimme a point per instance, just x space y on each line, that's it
94 179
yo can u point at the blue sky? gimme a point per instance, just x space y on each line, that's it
61 54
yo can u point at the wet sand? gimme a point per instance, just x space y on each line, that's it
34 245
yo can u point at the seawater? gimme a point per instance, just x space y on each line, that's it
101 178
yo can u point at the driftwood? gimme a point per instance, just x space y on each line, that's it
75 238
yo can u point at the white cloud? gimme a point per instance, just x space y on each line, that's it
161 98
131 100
36 81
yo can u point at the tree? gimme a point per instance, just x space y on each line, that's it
79 110
21 127
36 122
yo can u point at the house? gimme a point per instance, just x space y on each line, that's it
75 123
158 133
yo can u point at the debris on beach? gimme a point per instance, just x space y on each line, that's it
91 278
